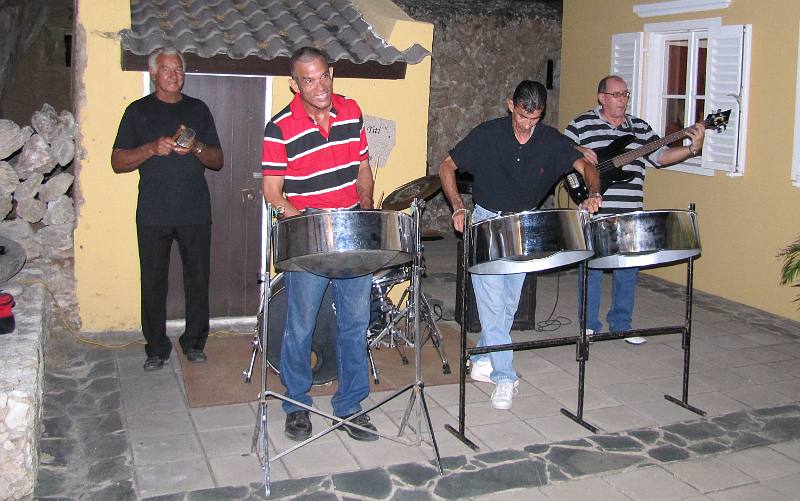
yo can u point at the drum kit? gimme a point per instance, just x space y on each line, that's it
535 241
344 244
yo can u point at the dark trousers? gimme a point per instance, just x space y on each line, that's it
194 244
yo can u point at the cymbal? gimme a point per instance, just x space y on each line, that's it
421 188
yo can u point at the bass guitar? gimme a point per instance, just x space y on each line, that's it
611 158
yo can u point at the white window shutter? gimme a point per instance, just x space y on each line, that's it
727 84
626 61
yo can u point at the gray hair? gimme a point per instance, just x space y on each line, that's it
152 63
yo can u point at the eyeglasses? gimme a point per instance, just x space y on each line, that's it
618 95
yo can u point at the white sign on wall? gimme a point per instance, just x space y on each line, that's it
381 136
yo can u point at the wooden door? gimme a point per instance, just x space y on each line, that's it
237 104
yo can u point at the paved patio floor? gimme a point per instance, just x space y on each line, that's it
112 431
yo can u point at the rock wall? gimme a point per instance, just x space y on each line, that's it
481 51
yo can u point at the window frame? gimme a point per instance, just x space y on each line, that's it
655 36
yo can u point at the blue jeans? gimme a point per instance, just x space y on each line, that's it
351 298
623 297
497 297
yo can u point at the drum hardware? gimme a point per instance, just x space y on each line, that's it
583 341
351 250
386 332
418 189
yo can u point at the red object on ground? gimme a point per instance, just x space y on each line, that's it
7 303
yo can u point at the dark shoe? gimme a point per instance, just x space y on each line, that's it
196 356
357 434
154 363
298 426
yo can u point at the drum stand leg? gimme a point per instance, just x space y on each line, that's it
582 355
433 332
686 342
372 368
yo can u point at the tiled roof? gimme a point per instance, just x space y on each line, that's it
267 29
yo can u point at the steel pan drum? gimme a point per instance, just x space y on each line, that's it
644 238
343 243
323 343
529 241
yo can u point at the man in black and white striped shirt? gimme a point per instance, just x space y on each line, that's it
597 128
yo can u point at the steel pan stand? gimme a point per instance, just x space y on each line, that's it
260 444
582 355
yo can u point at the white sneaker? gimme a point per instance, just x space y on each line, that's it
482 371
503 394
636 340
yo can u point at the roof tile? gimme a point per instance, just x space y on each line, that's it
267 29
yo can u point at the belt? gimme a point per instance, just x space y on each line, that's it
505 212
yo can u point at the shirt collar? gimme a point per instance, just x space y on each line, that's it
300 113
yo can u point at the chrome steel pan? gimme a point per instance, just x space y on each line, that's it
644 238
343 243
529 241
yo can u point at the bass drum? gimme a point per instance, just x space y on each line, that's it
323 344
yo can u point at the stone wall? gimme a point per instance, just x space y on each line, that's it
481 51
21 382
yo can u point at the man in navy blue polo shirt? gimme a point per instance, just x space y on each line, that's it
515 161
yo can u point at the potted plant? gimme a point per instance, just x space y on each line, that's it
790 271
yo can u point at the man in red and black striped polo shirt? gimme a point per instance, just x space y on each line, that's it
315 155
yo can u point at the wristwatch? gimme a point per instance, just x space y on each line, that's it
198 148
692 151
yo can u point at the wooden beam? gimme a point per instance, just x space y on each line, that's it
252 65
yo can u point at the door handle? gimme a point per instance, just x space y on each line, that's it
248 195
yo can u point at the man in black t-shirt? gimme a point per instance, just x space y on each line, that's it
514 161
155 137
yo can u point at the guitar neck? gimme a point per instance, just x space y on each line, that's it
630 156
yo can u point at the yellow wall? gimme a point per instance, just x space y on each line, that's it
106 257
743 221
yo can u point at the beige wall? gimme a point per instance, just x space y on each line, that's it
106 258
743 221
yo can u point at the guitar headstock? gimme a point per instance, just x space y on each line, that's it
718 120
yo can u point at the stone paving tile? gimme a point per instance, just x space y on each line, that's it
321 459
578 490
166 400
750 492
176 476
651 482
557 428
223 416
226 442
165 448
158 423
709 474
788 485
445 396
536 406
243 469
618 418
756 396
762 464
504 436
663 411
592 399
760 374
